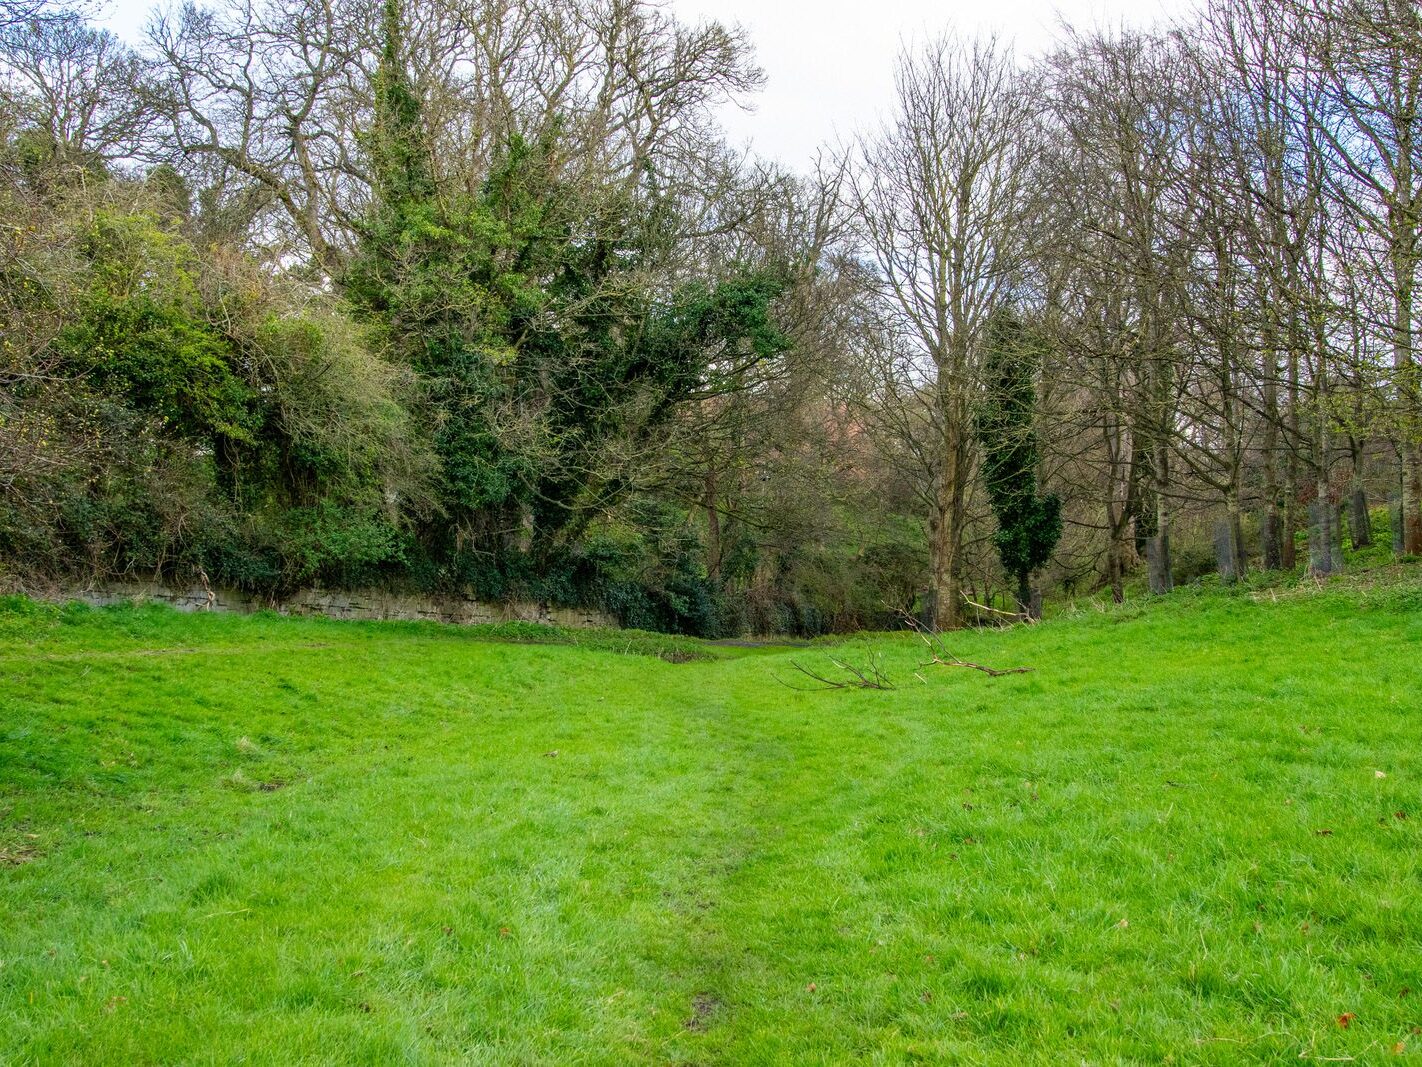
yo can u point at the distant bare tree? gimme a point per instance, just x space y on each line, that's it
81 87
1120 109
1368 121
940 192
1252 52
17 13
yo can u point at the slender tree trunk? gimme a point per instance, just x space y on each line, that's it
1235 501
1325 548
1241 552
1289 556
1116 569
1271 532
945 540
1402 217
946 593
1121 490
1412 500
1239 563
1405 366
1360 525
1024 595
946 525
1162 581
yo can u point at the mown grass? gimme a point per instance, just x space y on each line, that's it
1191 834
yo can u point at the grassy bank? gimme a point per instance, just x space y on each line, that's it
1192 831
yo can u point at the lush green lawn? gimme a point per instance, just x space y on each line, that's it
1192 833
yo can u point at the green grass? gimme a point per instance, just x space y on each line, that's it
1194 832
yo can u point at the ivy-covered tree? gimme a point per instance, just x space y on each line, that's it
439 278
549 351
1029 523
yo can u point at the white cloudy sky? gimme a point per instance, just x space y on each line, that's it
828 63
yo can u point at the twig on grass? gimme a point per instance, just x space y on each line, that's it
1015 616
871 676
944 658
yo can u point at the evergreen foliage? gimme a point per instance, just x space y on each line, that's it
1029 523
545 349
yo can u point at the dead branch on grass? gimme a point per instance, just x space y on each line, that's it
871 676
942 657
1015 616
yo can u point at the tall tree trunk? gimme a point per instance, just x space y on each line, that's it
946 532
1412 499
1360 525
1234 534
1325 548
1116 568
946 593
1121 492
1403 222
950 578
1162 581
1288 558
1271 533
1271 530
1234 502
946 526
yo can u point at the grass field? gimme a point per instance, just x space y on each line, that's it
1192 834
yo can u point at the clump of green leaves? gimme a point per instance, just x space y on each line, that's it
547 356
1029 523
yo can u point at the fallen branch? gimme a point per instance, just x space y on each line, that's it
942 657
1015 616
870 677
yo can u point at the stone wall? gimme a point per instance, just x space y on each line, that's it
352 604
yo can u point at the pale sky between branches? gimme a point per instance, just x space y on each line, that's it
829 63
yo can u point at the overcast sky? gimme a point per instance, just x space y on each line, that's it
829 63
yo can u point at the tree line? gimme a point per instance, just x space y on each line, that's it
475 296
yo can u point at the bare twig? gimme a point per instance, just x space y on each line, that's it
871 676
944 658
1015 616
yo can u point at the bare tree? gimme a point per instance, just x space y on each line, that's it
1120 109
15 14
1215 434
939 192
1368 120
81 87
1255 54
